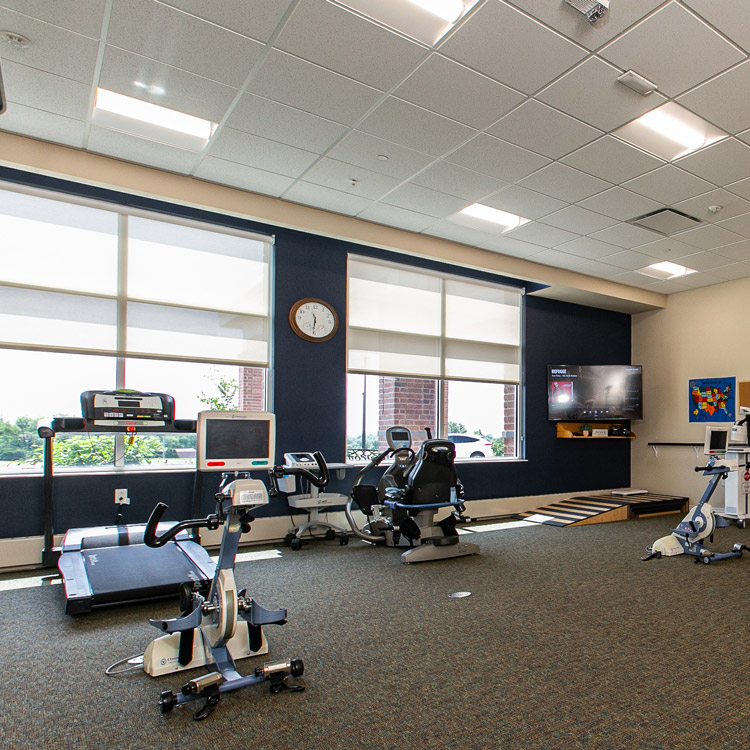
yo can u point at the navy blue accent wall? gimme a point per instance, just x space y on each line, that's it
309 392
559 333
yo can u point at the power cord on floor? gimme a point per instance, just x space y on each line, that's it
135 663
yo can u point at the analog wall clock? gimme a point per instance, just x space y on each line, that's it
313 320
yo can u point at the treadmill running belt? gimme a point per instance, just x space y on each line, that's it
145 571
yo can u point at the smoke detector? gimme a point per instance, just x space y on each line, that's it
592 9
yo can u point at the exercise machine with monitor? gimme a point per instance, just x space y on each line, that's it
402 507
699 524
217 629
106 565
311 469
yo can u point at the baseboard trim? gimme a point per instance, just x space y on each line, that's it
26 552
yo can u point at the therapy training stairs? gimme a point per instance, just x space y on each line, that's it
586 509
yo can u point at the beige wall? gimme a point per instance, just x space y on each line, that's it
697 335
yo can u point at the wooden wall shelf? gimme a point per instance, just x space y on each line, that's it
573 430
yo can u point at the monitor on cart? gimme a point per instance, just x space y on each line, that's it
236 440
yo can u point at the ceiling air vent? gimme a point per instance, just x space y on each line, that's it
666 221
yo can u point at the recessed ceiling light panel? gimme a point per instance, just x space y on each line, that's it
487 214
666 270
427 21
146 120
669 131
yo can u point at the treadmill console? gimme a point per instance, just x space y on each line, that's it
129 409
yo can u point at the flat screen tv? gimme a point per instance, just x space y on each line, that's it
594 393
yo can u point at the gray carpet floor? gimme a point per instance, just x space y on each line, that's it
568 640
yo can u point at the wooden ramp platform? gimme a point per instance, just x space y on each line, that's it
604 508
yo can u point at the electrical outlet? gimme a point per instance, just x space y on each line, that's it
121 497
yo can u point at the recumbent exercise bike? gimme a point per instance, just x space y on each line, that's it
413 489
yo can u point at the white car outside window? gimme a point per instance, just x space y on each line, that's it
470 446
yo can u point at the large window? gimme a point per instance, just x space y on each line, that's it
95 298
432 351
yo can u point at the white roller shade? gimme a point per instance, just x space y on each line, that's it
410 322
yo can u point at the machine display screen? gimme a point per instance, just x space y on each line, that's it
235 440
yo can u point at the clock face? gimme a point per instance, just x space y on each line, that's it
313 319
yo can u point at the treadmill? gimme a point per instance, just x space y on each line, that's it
108 565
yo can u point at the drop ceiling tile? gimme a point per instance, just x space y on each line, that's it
527 56
739 224
233 145
724 101
722 163
459 181
573 24
667 287
542 129
741 188
709 236
122 71
744 136
81 17
668 185
363 150
674 67
508 246
733 271
142 26
496 158
50 48
729 18
453 90
612 160
242 176
699 280
599 269
414 127
625 235
739 251
140 150
523 202
557 259
425 201
339 175
704 261
44 91
666 248
393 216
620 204
586 247
278 122
292 81
447 230
578 220
563 182
45 126
322 33
630 260
254 18
591 93
631 278
731 205
541 234
322 197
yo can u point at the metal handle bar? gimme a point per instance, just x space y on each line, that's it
152 539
